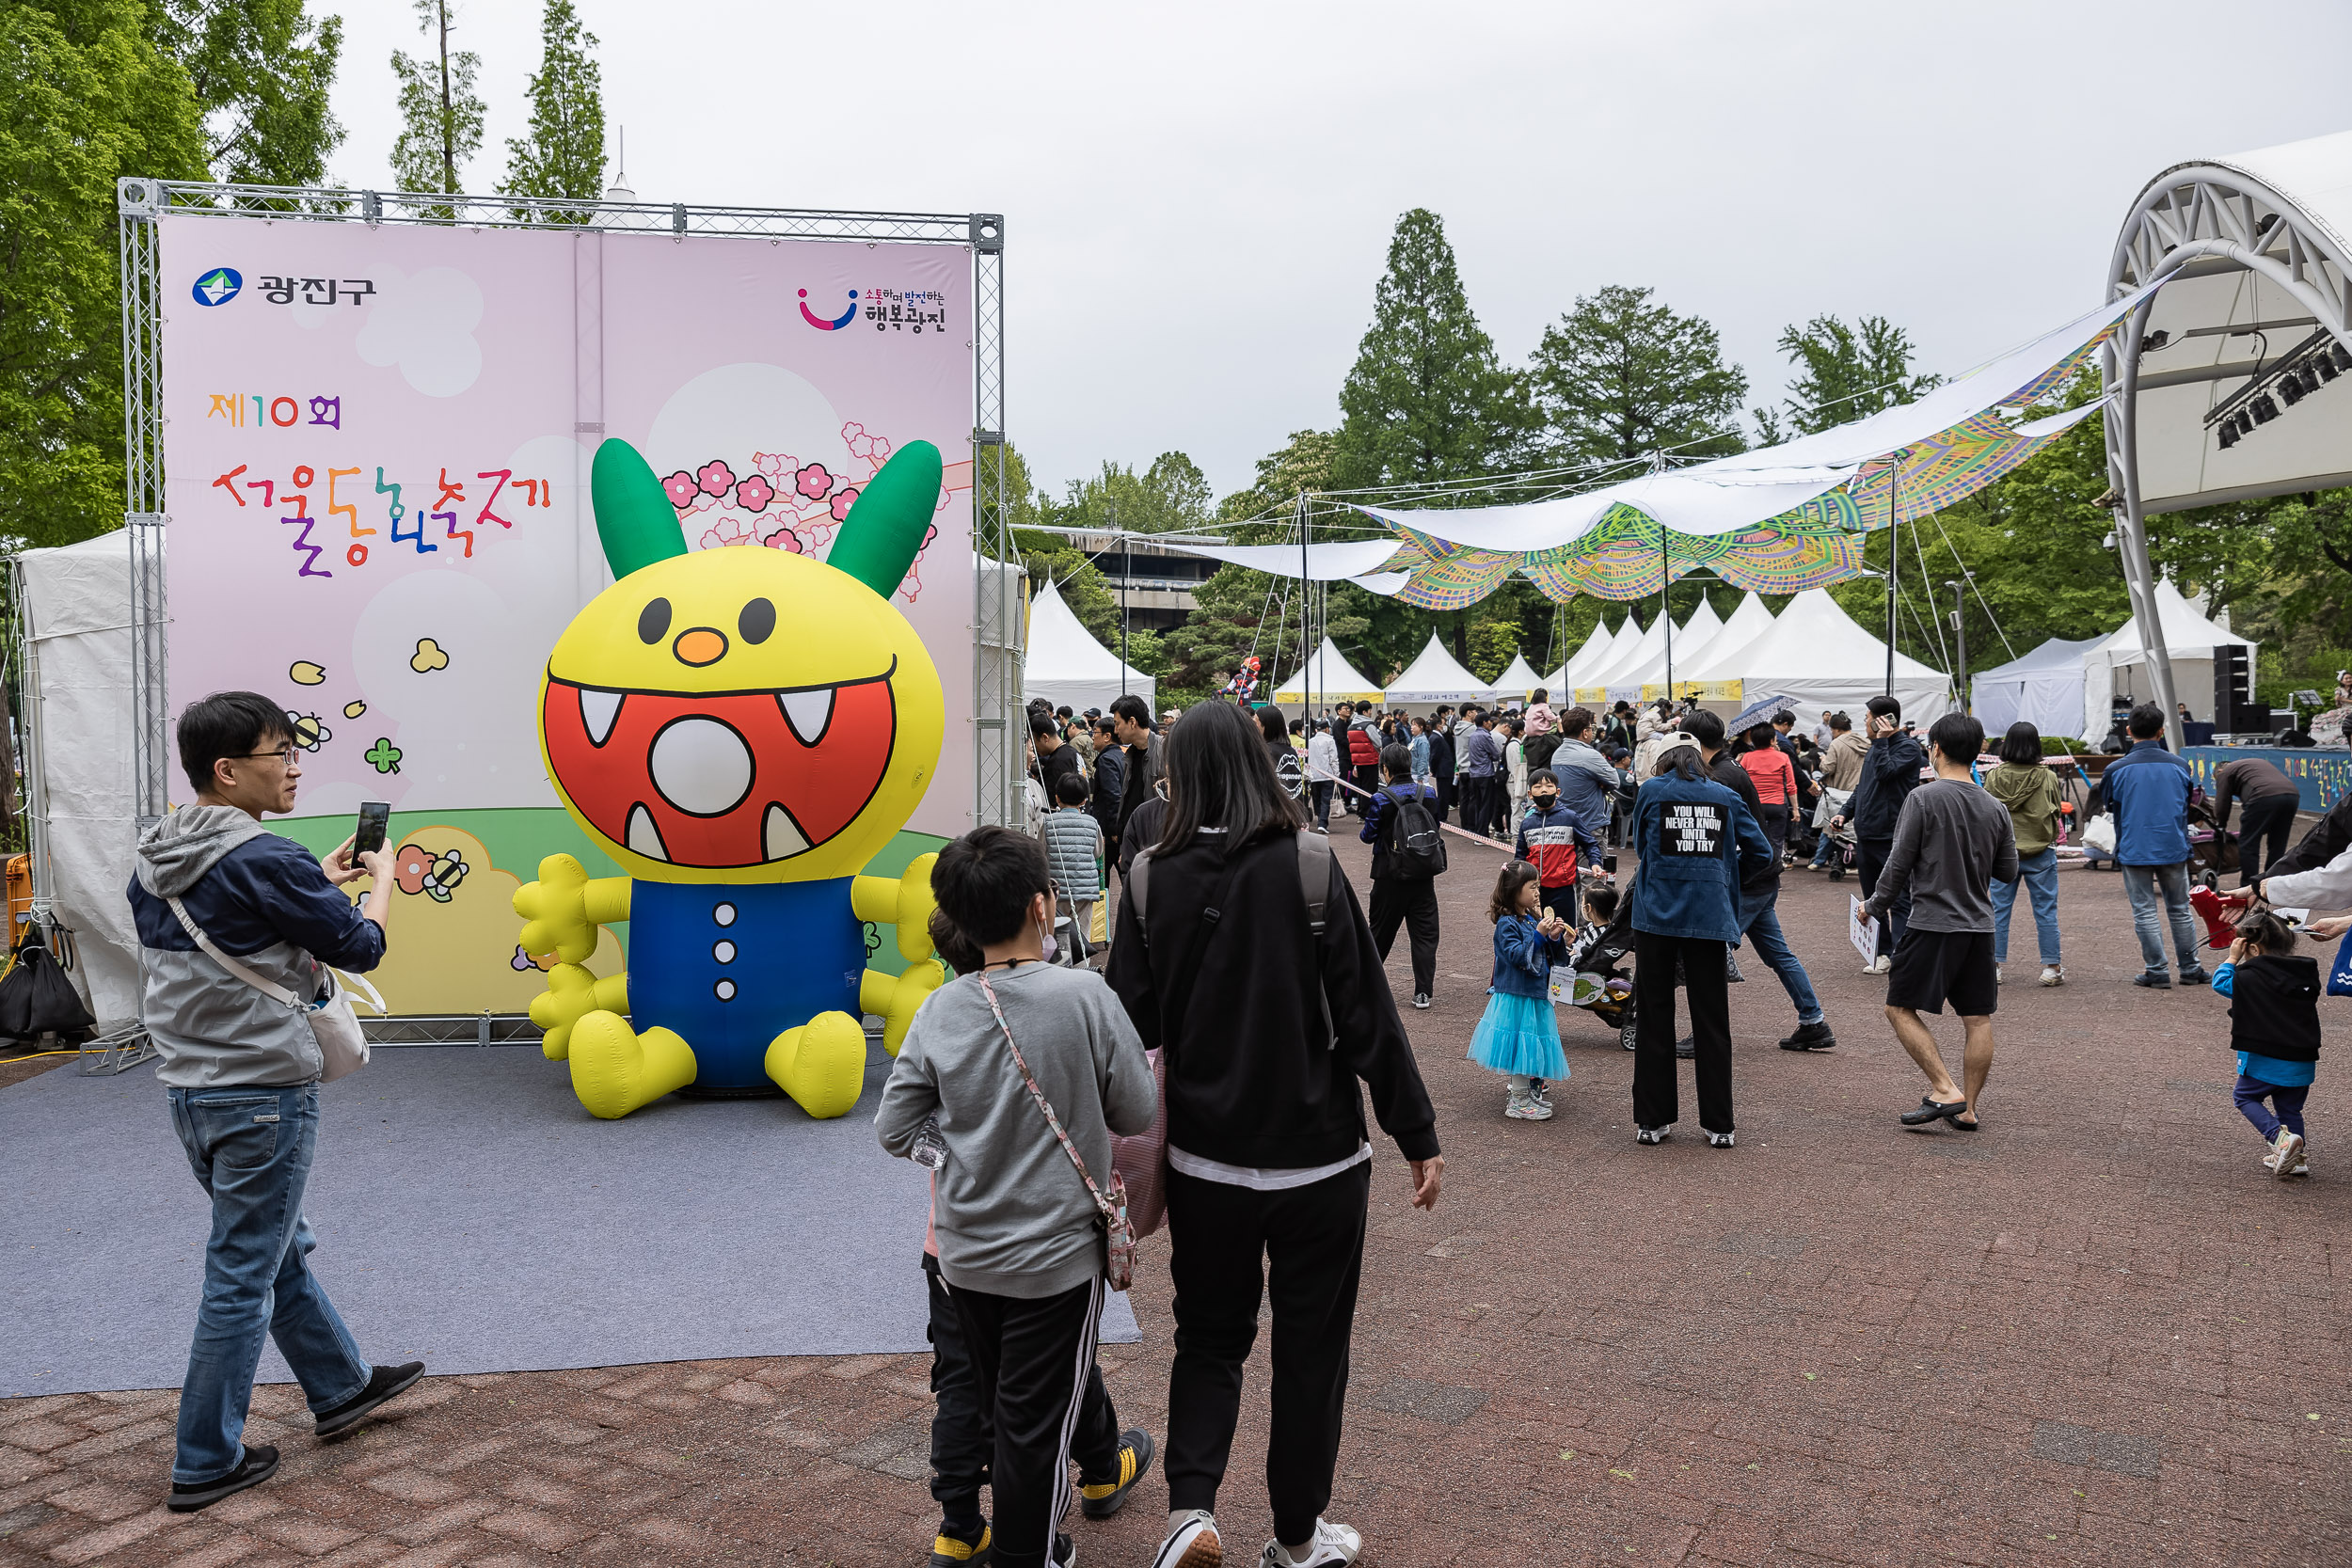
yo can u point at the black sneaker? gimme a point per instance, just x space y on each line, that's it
951 1550
1686 1048
1811 1036
1064 1554
2195 977
384 1382
1100 1499
2155 979
259 1463
1421 999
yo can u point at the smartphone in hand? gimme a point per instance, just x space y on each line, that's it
374 816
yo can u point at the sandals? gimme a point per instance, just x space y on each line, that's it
1933 1110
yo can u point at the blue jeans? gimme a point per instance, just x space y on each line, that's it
2249 1093
2039 872
1773 947
2148 884
250 1147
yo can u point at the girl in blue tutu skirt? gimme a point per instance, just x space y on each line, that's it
1518 1037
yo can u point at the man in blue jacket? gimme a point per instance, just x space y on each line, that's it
2150 790
1400 894
241 1069
1587 782
1890 772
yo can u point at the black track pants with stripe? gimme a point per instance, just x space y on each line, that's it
1034 1358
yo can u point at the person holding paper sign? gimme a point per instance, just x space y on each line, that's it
1952 842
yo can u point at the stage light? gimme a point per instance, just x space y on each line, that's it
2340 356
2228 434
2264 409
2290 388
2326 365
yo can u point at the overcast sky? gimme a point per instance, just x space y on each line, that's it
1199 197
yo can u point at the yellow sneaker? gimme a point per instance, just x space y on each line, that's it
1100 1499
949 1551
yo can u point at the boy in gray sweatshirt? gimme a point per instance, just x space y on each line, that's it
1020 1248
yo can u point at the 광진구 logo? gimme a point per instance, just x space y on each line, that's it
218 285
834 324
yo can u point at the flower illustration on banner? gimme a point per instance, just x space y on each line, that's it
813 481
730 527
874 449
785 539
717 478
755 494
680 488
842 501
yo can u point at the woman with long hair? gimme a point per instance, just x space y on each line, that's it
1250 966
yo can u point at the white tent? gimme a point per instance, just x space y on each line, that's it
1752 620
2117 666
1435 676
2044 688
1064 664
1818 655
1328 678
1517 683
1588 687
1688 649
1563 682
1622 675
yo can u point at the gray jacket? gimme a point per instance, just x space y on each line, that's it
261 898
1074 854
1012 1216
1951 842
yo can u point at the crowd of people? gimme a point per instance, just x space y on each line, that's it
1018 1074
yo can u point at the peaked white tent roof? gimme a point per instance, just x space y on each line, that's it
1691 639
1328 678
1625 669
1620 654
1517 683
1821 657
1065 664
1563 682
2189 638
1750 621
1435 676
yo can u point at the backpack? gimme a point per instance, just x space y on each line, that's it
37 998
1314 885
1414 843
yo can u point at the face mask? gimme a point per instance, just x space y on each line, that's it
1544 800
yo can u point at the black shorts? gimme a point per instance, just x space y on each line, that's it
1935 967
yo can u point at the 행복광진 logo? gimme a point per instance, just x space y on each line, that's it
822 324
218 285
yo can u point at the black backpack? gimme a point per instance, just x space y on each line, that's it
37 998
1413 842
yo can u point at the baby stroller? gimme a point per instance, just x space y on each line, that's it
1841 839
1595 978
2212 849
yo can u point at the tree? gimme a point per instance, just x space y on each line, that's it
90 98
1619 378
439 111
564 155
1427 399
1848 374
263 71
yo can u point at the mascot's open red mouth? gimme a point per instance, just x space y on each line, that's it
719 780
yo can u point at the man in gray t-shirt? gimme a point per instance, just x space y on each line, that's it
1951 843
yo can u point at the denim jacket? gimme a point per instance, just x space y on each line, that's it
1524 957
1696 840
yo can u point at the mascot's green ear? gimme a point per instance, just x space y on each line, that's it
634 517
884 529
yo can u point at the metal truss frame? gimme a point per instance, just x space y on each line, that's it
2195 220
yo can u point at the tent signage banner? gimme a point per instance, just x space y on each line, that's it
376 454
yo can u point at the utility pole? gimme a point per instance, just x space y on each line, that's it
1893 558
1126 570
1959 640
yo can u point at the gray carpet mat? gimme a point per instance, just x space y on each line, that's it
472 1216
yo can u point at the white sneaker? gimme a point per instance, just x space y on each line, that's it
2288 1148
1653 1134
2000 974
1332 1545
1193 1543
2053 976
1526 1107
2302 1163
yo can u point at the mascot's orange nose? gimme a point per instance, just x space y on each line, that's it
700 646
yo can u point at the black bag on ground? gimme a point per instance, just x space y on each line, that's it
37 999
1415 844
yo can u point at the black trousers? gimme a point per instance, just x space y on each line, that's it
964 1431
1478 803
1559 901
1224 1238
1773 819
1870 859
1032 1361
1411 902
1443 784
2265 817
1657 1095
1367 780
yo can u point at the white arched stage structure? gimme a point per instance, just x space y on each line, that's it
2233 380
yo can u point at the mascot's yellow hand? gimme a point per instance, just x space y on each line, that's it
903 901
572 994
564 907
894 998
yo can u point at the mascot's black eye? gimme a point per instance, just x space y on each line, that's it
653 621
758 621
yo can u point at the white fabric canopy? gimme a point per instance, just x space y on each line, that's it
1821 657
1329 678
1064 664
1337 561
1517 683
1436 676
2189 639
2044 688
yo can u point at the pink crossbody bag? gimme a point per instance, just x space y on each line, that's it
1119 1230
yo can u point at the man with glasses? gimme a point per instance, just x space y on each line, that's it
241 1068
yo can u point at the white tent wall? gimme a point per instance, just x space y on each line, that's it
1327 679
1818 657
2118 667
77 713
1064 664
1433 678
2044 688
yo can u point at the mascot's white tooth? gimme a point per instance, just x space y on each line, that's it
644 838
808 712
597 709
782 837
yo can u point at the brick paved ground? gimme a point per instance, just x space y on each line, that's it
2096 1332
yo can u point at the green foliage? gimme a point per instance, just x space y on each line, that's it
1848 374
1304 465
1427 399
440 112
263 71
89 98
562 157
1618 377
1172 495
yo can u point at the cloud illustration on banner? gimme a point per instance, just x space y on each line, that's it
425 324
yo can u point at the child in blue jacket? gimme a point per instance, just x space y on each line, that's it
1518 1037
